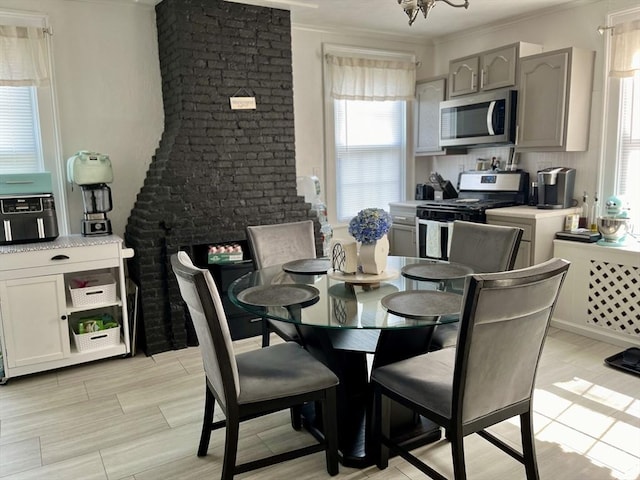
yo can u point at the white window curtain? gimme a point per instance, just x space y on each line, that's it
625 49
23 56
371 79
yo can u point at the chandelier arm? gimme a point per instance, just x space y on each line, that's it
448 2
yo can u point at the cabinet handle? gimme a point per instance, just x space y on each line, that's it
63 318
473 81
60 257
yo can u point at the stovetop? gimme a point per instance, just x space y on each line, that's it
467 203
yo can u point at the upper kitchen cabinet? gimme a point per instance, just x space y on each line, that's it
554 101
429 94
497 68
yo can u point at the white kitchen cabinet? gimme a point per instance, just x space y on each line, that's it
488 70
554 101
37 312
429 94
539 229
402 235
402 241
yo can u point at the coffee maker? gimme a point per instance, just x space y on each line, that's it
92 171
555 187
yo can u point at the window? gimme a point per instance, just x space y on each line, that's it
369 155
366 128
628 156
20 150
620 164
29 140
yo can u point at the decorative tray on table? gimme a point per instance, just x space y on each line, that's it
363 278
281 295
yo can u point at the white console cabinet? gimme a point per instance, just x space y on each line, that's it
599 297
36 308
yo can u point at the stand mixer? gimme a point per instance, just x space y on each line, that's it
92 171
615 225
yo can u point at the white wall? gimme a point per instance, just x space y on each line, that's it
308 94
107 79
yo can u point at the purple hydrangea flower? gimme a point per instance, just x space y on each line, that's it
369 225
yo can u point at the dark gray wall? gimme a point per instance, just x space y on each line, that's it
216 170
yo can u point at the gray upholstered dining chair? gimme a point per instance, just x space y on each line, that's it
253 383
276 244
489 377
485 248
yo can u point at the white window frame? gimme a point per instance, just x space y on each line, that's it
609 157
52 159
329 125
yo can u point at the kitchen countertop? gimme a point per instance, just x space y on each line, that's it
525 211
60 242
407 203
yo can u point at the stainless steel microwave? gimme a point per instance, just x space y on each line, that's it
481 119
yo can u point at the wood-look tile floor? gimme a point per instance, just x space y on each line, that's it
139 419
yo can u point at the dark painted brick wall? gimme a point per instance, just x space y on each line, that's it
216 170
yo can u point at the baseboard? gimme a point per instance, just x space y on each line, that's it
613 338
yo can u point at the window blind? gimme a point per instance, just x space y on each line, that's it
628 166
370 152
20 150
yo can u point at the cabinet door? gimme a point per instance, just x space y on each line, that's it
463 76
499 68
429 94
403 241
34 320
542 100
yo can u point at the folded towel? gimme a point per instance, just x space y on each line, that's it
434 249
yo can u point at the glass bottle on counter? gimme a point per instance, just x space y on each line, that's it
593 218
583 221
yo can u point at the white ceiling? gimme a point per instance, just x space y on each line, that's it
387 17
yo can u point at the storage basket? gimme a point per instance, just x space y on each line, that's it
109 337
93 289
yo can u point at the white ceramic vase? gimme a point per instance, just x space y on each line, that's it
373 256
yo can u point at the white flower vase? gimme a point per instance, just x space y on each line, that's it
373 256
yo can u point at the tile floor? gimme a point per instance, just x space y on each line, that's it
139 419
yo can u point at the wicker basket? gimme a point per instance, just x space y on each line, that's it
109 337
97 289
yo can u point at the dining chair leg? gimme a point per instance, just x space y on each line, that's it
528 446
457 453
330 420
265 332
296 417
230 447
382 416
209 407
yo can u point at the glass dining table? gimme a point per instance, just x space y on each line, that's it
355 322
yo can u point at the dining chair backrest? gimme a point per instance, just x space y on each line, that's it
486 248
504 323
201 296
281 243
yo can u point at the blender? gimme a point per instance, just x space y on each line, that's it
92 171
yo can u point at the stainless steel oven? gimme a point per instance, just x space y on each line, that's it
478 191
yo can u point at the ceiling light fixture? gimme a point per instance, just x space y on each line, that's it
413 7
